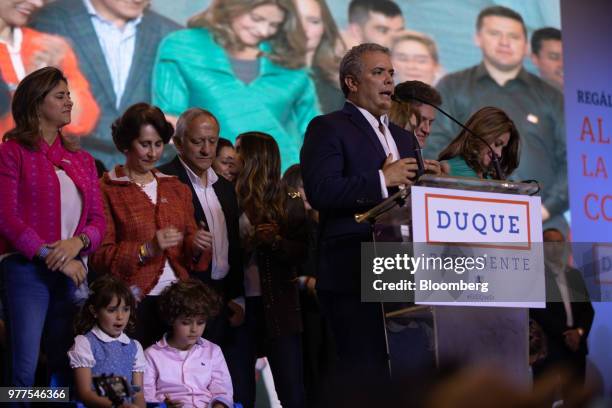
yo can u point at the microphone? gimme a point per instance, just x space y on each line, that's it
404 92
418 150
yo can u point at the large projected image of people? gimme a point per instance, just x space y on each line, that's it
534 106
324 49
373 22
115 42
415 58
245 61
547 55
143 143
23 50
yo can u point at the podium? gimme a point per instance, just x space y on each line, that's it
447 330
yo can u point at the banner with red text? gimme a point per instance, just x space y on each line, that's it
588 112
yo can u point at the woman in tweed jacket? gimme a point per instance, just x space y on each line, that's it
151 238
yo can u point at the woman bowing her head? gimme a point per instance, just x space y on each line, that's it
151 239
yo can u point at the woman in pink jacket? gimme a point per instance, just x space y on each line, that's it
51 217
183 369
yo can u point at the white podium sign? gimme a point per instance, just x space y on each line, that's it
477 248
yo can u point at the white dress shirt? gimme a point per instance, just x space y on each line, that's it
14 51
215 220
386 140
560 274
118 45
168 277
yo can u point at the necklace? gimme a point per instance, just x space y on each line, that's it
140 184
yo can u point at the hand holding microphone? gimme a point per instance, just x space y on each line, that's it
399 172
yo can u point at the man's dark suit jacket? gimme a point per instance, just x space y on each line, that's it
70 19
340 162
552 319
234 285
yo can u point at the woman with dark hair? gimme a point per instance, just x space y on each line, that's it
324 50
225 160
468 156
51 217
272 229
243 60
151 238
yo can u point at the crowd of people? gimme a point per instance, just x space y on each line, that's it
125 212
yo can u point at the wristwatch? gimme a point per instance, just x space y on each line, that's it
85 240
43 252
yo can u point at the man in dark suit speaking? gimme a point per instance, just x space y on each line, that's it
351 159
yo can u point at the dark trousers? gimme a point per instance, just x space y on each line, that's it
318 344
219 331
359 333
411 347
284 354
150 327
37 301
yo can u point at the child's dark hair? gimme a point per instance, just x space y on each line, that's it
101 294
188 298
293 177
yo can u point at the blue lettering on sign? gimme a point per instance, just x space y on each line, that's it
448 219
462 228
480 227
495 223
513 229
501 223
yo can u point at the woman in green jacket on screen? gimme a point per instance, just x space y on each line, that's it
244 60
468 156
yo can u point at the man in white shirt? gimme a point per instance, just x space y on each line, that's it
351 160
566 321
115 42
216 210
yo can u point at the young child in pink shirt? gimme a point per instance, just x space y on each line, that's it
183 369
